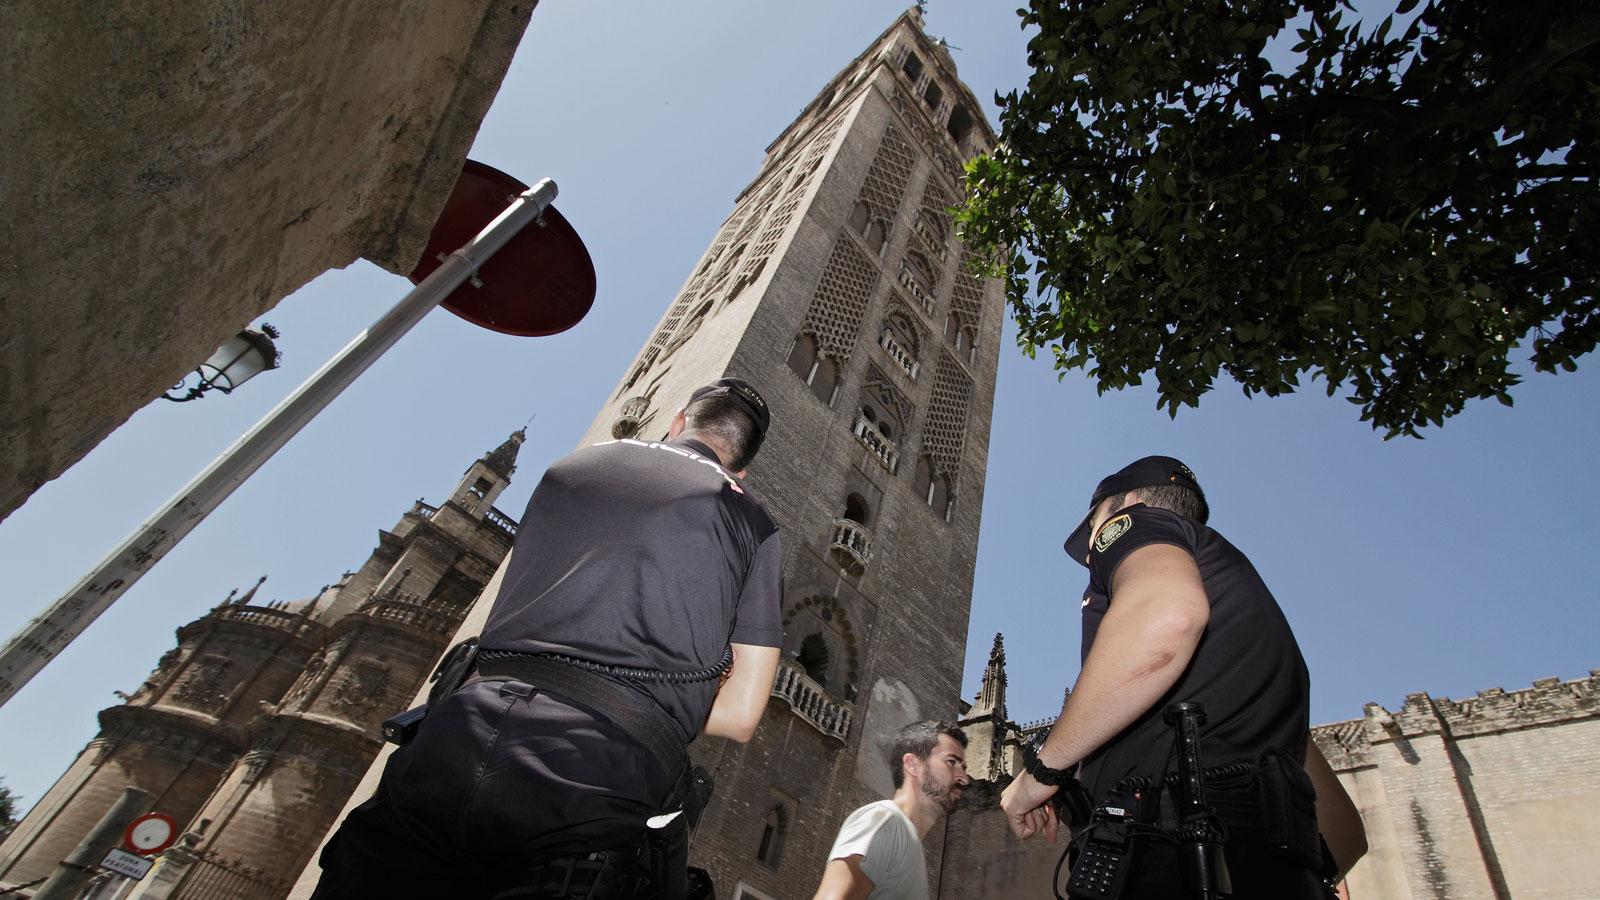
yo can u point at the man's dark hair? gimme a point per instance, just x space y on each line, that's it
919 739
1172 497
732 427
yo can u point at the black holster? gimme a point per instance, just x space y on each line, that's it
1288 809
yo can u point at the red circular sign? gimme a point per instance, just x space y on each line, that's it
150 833
541 282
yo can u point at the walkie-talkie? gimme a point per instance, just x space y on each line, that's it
1106 858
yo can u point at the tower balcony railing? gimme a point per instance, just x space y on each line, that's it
506 524
899 354
630 417
913 286
428 616
931 240
425 510
851 545
811 702
267 617
873 439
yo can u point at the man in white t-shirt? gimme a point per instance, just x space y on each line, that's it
878 853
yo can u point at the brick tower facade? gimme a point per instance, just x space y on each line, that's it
258 725
838 287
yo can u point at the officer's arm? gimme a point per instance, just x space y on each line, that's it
844 880
1337 816
1157 613
743 697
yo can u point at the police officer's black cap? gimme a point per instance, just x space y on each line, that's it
747 398
1146 472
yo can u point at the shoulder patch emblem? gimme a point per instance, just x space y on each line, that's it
1110 531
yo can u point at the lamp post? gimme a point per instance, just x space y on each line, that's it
239 359
544 284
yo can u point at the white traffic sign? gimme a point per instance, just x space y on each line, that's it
151 833
127 864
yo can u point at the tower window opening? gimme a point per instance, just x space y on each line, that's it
860 218
814 657
877 236
773 831
933 95
960 123
912 66
855 509
480 488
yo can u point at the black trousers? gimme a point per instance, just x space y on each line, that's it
499 779
1257 874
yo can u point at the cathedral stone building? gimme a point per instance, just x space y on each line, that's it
258 725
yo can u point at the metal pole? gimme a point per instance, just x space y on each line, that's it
47 634
74 871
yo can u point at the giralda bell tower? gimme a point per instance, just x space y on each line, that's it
838 287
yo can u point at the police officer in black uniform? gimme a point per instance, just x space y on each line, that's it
1173 612
648 566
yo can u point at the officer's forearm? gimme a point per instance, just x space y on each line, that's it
743 696
1149 634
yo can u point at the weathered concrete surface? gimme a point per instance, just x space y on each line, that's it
174 169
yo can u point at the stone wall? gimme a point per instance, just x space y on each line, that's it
1495 796
174 169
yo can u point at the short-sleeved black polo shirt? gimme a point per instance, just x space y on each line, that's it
645 555
1247 668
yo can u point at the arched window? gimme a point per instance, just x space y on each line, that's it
860 217
855 509
825 380
746 280
912 66
939 497
814 657
933 95
960 123
922 268
803 357
922 480
773 831
877 236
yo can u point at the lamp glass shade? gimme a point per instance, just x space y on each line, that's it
239 359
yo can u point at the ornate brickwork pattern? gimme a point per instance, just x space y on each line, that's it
928 137
886 180
841 299
807 168
933 219
881 388
947 416
746 215
966 299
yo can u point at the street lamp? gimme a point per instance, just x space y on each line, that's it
240 358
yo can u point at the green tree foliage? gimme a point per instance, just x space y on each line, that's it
1394 209
10 813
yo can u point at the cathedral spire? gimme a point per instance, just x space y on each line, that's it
992 693
503 459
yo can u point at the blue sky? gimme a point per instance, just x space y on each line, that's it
1449 565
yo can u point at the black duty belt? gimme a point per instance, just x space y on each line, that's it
627 708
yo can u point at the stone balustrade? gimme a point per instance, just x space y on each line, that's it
811 702
871 438
899 354
908 280
851 545
500 520
280 619
930 240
